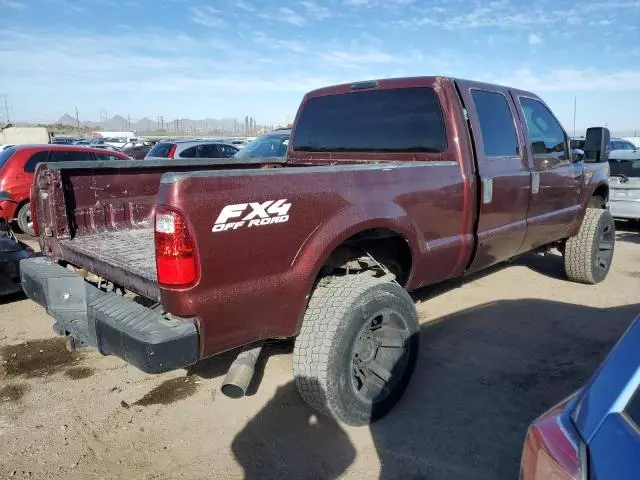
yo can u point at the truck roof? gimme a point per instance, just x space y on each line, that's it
398 82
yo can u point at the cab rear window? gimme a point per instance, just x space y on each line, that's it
161 150
391 120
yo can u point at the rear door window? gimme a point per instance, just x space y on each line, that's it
34 160
227 151
161 150
105 157
189 153
209 150
391 120
496 123
69 156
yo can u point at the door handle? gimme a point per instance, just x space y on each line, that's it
487 190
535 182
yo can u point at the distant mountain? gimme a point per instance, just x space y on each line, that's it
144 125
67 119
185 126
116 124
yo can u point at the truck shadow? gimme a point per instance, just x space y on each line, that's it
483 375
627 232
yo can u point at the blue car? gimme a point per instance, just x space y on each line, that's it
595 433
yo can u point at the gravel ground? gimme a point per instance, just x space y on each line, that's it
497 350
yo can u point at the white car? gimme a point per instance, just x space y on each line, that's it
621 149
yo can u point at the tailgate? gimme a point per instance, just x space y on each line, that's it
98 216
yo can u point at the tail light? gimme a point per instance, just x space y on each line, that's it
176 260
172 152
554 450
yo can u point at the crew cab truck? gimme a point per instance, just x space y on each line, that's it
387 186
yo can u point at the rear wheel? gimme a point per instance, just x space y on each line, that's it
24 219
588 255
357 348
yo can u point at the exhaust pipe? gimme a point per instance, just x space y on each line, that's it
240 373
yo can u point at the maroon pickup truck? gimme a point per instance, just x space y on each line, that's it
387 186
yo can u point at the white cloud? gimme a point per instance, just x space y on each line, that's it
351 59
316 10
289 44
11 4
573 80
534 39
208 16
287 15
247 7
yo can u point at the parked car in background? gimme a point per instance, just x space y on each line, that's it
11 252
83 141
178 149
272 144
624 199
621 149
595 434
115 139
17 165
58 140
99 143
137 152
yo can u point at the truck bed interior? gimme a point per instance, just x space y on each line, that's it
126 257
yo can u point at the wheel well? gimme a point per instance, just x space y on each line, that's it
602 191
377 248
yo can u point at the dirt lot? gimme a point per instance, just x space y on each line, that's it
497 350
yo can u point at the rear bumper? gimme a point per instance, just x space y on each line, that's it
113 324
624 208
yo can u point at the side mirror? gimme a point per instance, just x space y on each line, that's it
596 144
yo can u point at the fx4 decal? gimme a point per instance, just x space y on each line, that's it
253 214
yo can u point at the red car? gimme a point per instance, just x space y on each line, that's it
17 165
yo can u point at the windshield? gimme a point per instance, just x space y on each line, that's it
267 146
5 155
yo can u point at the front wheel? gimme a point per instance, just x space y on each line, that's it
588 255
24 220
357 348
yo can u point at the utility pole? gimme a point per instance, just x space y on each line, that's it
575 104
5 108
77 120
129 121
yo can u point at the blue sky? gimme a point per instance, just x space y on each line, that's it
231 58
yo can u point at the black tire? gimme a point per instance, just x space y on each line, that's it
24 219
597 201
345 316
588 255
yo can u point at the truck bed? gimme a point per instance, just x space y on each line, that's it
99 215
126 257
